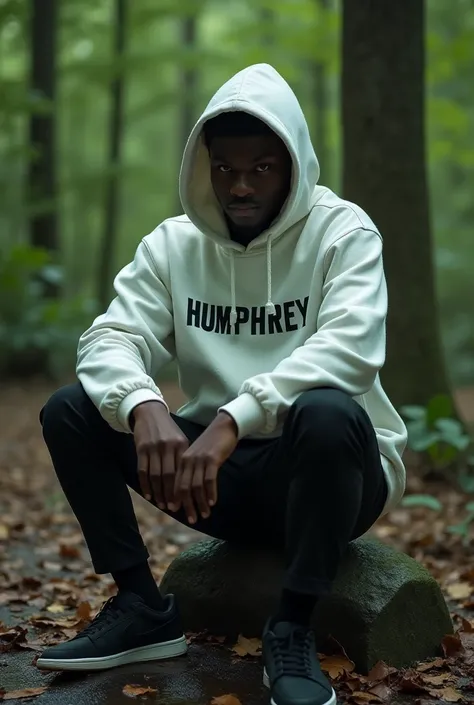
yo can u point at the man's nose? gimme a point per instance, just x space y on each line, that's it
241 187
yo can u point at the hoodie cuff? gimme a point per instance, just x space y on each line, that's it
247 412
128 403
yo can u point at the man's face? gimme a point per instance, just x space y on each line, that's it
251 177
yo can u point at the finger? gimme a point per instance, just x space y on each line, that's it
168 473
155 478
176 501
185 490
142 466
198 491
210 483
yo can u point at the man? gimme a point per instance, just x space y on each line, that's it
270 294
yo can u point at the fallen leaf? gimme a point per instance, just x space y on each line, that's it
135 691
411 683
451 645
337 666
466 625
55 608
83 611
436 680
382 691
436 663
67 551
247 647
25 693
380 672
4 532
449 694
226 700
460 591
362 698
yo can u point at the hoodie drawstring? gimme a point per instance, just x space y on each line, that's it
269 306
233 309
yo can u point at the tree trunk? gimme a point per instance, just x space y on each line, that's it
384 172
321 103
42 167
189 84
115 130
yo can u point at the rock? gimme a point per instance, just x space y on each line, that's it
384 605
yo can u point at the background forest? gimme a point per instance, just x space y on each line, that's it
96 102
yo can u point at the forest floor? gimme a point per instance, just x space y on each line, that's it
48 590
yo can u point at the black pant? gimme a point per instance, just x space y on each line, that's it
309 492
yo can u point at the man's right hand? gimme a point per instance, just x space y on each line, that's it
160 443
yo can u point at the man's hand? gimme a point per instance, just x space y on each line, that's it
160 443
196 481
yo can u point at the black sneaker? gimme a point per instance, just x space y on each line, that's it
292 669
125 630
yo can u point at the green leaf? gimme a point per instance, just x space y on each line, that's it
422 500
466 482
439 407
424 442
470 507
414 413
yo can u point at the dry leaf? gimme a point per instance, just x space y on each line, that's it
135 691
83 611
451 645
382 691
466 625
380 672
449 694
226 700
362 698
411 683
460 591
67 551
247 647
436 663
55 608
4 532
337 666
436 680
25 693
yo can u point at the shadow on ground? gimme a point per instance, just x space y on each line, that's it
205 673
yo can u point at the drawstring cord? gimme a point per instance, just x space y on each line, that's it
233 310
269 306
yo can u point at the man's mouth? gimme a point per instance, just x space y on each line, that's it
243 209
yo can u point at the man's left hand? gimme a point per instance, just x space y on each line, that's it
196 479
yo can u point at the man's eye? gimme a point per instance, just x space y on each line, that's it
224 168
263 167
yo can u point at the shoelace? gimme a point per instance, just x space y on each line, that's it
292 653
108 613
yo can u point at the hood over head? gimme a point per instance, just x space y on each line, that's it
262 92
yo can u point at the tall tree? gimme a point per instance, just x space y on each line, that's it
321 102
115 132
384 171
42 130
188 80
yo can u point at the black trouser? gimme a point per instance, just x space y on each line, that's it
309 492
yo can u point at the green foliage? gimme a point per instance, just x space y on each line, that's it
434 431
30 321
294 35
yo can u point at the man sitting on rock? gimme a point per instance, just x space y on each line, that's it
270 294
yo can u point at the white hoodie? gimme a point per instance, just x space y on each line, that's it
304 305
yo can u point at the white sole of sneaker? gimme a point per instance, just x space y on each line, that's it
266 682
154 652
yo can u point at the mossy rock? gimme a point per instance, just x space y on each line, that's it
384 605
